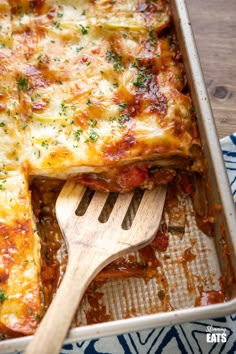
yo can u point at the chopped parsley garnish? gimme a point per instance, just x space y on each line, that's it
140 68
142 80
114 58
89 103
84 29
63 108
77 134
2 124
123 118
45 144
40 59
118 67
59 15
3 296
112 119
23 83
93 135
19 8
78 49
33 98
37 317
110 56
152 35
2 185
93 123
134 65
57 25
192 109
122 106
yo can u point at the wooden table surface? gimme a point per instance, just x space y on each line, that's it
214 26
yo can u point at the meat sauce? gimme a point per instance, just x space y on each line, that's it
146 266
125 179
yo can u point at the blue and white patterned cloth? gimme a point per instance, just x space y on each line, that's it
180 339
228 146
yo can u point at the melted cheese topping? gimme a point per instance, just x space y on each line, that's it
95 76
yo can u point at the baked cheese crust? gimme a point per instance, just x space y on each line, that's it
99 86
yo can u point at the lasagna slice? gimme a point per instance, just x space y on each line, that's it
20 299
103 102
11 138
20 286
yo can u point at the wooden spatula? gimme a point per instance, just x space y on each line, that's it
92 244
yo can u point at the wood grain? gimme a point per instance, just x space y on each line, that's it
214 27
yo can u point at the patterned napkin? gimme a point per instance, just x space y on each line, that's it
194 337
228 146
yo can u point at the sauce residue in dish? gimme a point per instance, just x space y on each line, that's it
209 297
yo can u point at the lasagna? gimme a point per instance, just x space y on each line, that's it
90 90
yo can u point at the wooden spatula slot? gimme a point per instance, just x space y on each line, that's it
111 199
108 207
132 209
85 201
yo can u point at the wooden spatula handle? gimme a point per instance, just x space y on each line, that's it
54 327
